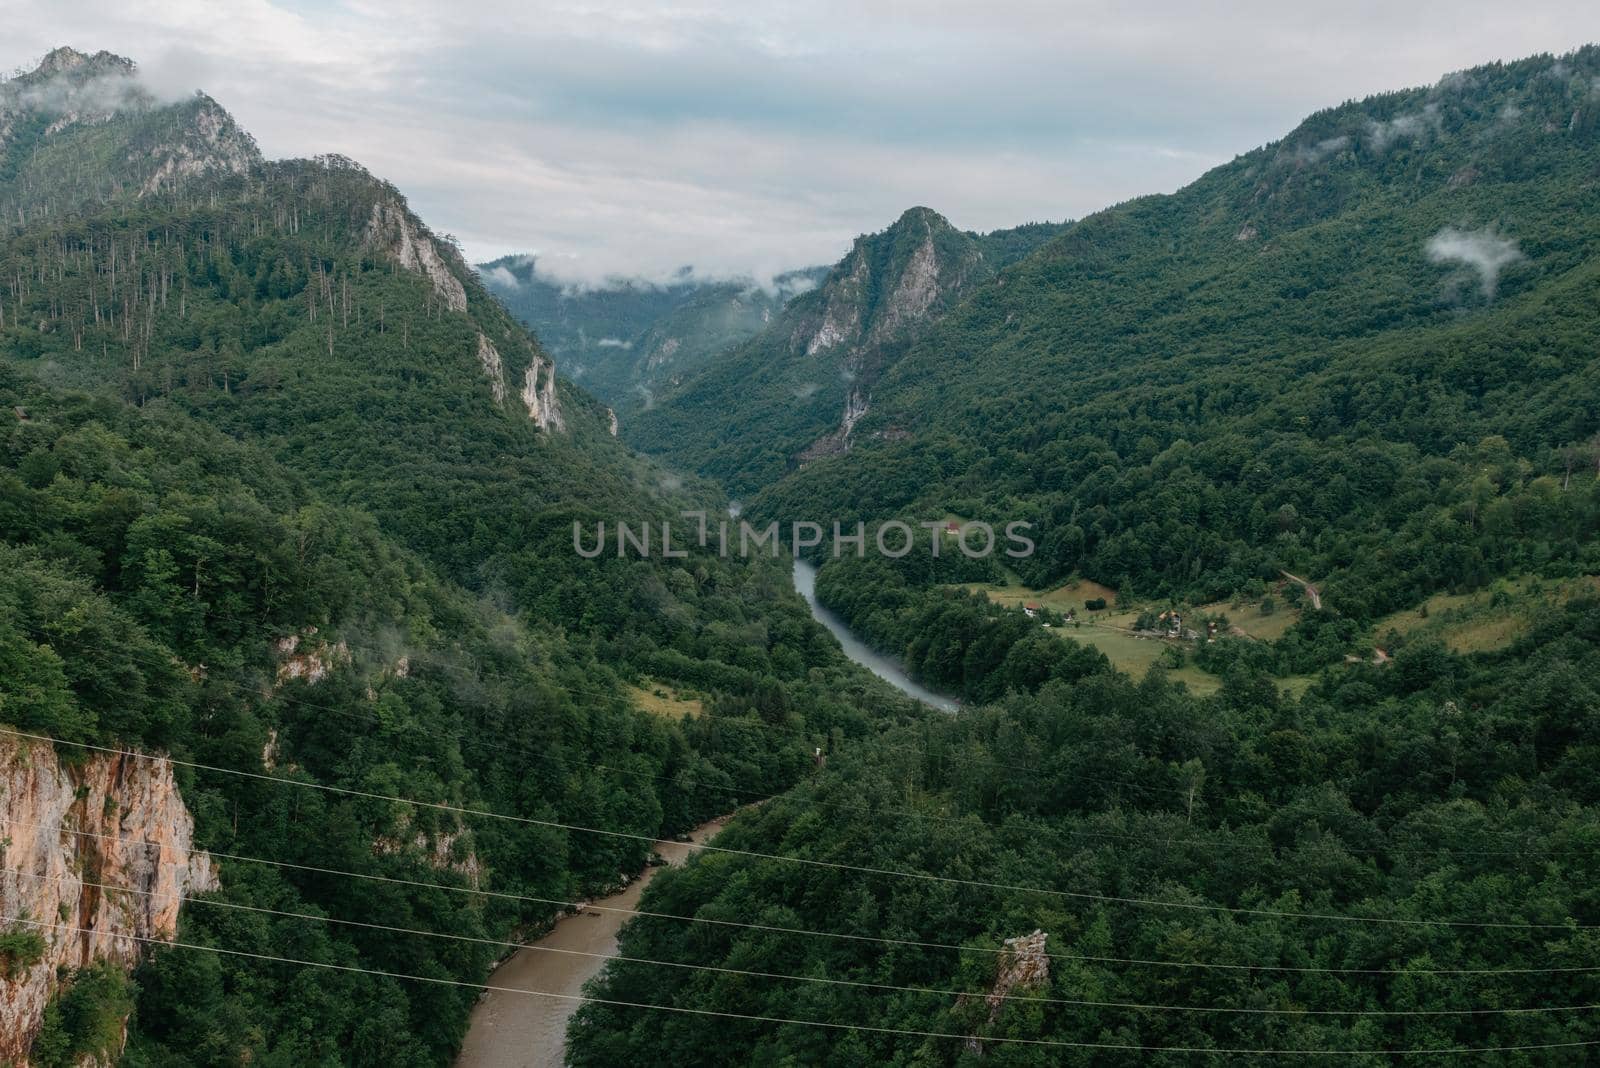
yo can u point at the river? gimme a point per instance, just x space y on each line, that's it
886 668
515 1030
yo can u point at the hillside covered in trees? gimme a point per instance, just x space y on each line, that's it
288 493
283 491
1363 354
795 392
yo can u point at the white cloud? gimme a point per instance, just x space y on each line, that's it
501 278
1412 126
614 343
1484 251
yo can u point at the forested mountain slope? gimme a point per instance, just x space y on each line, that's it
285 492
626 339
795 392
1363 353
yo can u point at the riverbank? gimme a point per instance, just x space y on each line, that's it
522 1030
886 668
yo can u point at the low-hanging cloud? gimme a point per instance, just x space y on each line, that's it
1412 126
175 77
501 278
1321 150
1484 251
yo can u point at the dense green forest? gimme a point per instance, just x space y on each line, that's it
259 413
1382 865
1363 353
255 417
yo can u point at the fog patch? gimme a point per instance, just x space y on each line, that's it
805 390
1305 155
68 93
574 276
1483 251
1410 127
501 278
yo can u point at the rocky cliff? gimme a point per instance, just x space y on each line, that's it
69 831
803 388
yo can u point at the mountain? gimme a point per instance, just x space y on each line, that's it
1333 407
625 339
795 392
1337 355
286 494
75 109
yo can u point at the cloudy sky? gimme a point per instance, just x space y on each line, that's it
746 136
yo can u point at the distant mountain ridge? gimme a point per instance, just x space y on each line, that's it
625 339
796 392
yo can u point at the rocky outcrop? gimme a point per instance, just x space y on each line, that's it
539 394
611 421
841 319
662 353
856 406
1023 964
489 359
70 89
112 820
393 231
301 656
450 851
852 329
915 293
211 143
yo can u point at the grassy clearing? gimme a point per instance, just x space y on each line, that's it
1070 596
1110 630
1136 656
1248 618
1488 619
662 700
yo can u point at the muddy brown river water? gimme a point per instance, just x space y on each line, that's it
516 1030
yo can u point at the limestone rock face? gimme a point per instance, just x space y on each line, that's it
113 820
853 329
493 367
392 230
539 394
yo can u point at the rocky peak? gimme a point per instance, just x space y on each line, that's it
70 61
157 146
890 281
891 284
69 86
